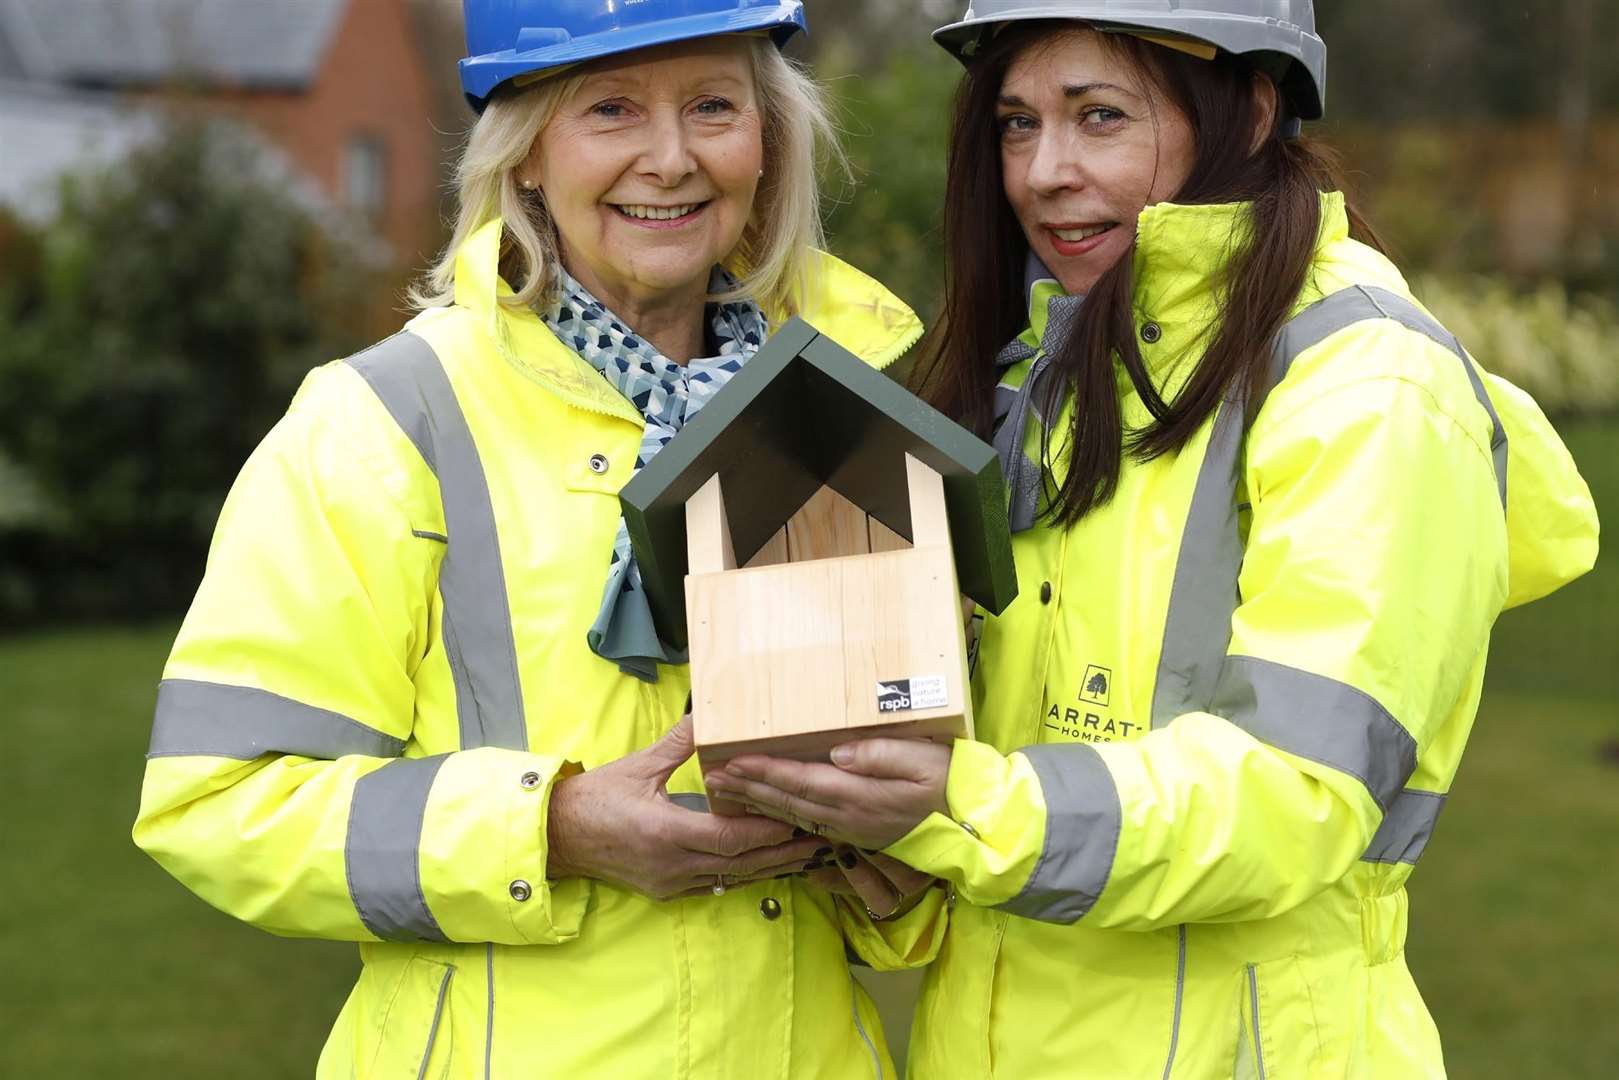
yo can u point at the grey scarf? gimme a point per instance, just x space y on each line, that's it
1014 404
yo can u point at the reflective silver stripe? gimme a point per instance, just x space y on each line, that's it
1360 303
1302 713
1317 718
438 1014
1253 999
383 850
1083 819
489 1023
1180 995
860 1026
1406 827
406 375
220 720
1203 595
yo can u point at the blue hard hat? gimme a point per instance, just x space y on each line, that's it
508 38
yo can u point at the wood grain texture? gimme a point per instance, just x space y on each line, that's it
885 539
827 526
930 521
774 553
804 647
708 533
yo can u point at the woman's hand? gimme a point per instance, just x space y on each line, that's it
874 792
885 887
618 824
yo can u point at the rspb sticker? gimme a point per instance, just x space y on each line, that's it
917 692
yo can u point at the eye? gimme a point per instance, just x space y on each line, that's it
610 110
714 106
1102 116
1016 124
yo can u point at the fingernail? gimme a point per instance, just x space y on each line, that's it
821 853
847 860
799 834
815 864
842 754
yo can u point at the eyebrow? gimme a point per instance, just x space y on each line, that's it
1015 102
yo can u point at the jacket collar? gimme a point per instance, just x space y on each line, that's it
1181 256
843 303
1182 253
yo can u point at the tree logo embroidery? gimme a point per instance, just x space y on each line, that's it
1097 686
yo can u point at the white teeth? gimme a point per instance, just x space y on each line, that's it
1075 235
658 213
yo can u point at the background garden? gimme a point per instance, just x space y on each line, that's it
155 322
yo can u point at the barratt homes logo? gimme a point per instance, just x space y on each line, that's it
917 692
1097 686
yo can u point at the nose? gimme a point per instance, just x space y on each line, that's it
1055 166
668 156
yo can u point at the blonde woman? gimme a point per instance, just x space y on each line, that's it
418 702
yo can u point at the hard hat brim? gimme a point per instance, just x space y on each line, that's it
481 75
1242 36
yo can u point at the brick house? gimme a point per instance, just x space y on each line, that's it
342 88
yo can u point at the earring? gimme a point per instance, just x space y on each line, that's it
761 174
528 185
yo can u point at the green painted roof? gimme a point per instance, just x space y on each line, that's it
802 413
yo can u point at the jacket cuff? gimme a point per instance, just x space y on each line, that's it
992 840
483 854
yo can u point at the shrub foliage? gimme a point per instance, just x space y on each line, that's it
149 336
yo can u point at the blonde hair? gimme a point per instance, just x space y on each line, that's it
770 261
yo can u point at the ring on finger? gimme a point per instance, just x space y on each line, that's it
899 902
719 885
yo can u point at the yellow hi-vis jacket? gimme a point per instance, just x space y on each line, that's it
1225 709
385 671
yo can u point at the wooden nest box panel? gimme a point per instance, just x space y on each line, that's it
808 537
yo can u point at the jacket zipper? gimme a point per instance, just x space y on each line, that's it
906 346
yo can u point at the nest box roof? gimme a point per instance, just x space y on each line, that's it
803 413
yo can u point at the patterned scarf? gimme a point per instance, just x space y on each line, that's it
1021 395
668 394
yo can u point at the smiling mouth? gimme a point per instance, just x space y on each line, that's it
1074 236
659 213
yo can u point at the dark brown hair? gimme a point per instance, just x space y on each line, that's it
986 252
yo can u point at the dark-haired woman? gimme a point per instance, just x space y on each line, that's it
1266 511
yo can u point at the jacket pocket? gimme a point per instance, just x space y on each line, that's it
1277 1035
416 1038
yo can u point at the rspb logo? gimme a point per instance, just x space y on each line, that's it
894 696
917 692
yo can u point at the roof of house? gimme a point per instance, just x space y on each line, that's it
53 131
121 43
802 413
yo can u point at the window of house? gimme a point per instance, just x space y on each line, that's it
365 175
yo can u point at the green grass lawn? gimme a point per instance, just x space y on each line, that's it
113 970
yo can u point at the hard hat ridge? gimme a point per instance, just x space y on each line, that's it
510 38
1277 36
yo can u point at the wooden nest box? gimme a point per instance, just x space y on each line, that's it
807 537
